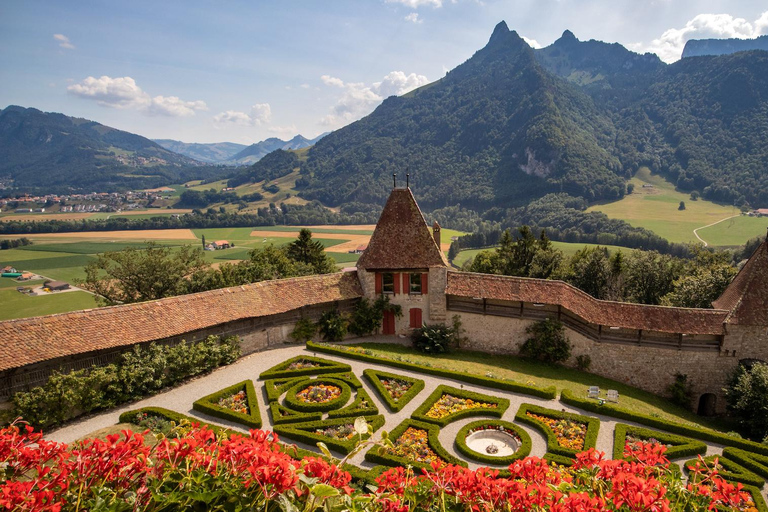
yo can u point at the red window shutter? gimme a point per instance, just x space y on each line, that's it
397 283
378 283
424 283
406 283
415 318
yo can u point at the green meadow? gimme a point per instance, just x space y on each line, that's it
568 249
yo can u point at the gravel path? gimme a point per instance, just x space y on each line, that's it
181 398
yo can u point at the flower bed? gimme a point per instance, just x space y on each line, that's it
362 406
504 426
567 433
415 444
447 404
322 394
395 390
627 438
304 365
338 434
236 403
703 467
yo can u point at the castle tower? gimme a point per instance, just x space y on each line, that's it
404 262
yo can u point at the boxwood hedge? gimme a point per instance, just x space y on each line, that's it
379 455
357 408
590 438
756 497
502 404
282 415
293 403
754 462
681 446
276 387
375 376
325 366
731 470
687 430
167 414
523 451
209 405
506 385
306 432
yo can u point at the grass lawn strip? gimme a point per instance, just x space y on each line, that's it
362 406
447 404
522 452
376 378
323 431
304 365
728 470
218 404
677 446
754 462
363 355
573 433
678 428
430 447
318 395
281 415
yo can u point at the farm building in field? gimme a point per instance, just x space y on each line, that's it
56 286
221 244
8 270
25 276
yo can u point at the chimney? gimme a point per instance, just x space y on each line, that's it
436 233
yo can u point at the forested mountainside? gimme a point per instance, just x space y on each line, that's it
52 151
698 47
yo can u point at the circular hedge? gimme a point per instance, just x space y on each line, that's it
294 403
521 453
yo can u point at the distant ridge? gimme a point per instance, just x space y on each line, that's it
212 153
699 47
259 150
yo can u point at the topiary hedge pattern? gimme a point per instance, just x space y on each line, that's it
553 446
362 406
294 403
687 430
680 446
375 376
306 432
167 414
209 405
282 415
420 414
756 497
378 455
523 451
754 462
324 366
730 470
276 387
506 385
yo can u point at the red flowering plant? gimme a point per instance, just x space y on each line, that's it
200 471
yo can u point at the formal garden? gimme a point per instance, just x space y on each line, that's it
376 427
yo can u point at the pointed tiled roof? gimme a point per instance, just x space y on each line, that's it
747 296
402 239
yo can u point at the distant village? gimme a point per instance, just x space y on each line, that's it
86 203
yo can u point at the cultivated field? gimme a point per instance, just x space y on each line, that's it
655 207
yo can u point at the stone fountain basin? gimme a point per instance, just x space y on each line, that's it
480 440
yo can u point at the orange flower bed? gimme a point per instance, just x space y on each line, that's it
570 434
413 445
319 393
449 404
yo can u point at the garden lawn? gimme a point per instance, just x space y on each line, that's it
539 374
16 305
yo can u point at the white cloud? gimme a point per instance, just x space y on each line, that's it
124 93
260 113
304 86
64 41
414 4
669 47
532 42
359 99
413 18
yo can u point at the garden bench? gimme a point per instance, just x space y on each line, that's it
593 392
612 396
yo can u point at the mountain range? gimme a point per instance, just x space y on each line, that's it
699 47
256 152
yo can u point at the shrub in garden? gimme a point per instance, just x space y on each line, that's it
746 397
583 362
681 391
332 325
135 374
367 317
200 471
547 343
304 330
438 338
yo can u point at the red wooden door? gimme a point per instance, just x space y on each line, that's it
389 322
415 318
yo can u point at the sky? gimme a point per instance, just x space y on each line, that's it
243 71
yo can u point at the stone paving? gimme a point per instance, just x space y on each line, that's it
181 398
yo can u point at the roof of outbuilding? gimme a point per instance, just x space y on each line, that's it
600 312
33 340
402 239
747 295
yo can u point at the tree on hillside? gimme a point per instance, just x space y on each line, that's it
137 275
650 275
590 271
704 279
311 252
746 396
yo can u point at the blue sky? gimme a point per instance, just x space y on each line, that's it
205 71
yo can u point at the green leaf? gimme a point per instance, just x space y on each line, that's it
324 491
324 449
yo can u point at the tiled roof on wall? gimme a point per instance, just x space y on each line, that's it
402 239
33 340
600 312
747 296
